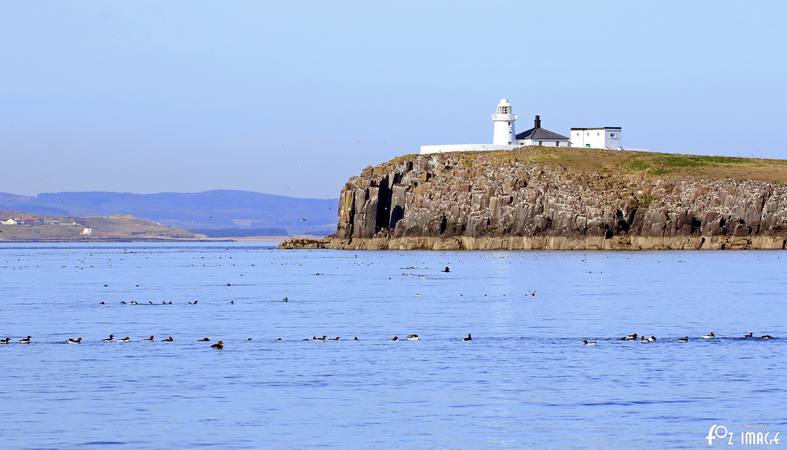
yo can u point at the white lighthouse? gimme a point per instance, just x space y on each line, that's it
503 119
503 135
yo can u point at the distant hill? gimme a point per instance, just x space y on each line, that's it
42 228
219 210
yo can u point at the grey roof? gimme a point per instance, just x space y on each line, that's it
540 134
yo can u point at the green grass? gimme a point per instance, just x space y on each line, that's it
621 162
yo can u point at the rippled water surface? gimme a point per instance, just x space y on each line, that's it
525 381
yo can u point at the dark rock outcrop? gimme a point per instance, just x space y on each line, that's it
475 201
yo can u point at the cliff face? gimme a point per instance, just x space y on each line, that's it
529 199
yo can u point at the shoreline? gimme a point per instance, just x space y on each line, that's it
269 239
617 243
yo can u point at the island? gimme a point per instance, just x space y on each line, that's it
562 199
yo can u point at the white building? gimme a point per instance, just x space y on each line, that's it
604 137
504 136
9 222
87 231
541 136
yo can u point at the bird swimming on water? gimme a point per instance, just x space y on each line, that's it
468 337
25 340
125 339
395 338
205 339
150 338
766 337
710 335
587 342
646 339
683 339
5 341
748 335
74 340
168 339
413 337
218 345
629 337
109 339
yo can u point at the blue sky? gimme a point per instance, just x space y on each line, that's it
295 97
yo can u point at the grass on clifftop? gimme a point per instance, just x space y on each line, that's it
619 162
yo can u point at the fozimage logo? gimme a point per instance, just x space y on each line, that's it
724 435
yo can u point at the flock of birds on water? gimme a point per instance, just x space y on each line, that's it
219 345
682 339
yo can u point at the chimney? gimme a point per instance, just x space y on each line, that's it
537 122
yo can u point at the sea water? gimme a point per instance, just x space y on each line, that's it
524 381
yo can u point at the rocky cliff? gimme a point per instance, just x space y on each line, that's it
542 198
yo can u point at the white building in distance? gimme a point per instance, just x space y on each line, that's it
504 136
602 137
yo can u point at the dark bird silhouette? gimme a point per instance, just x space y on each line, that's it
205 339
218 345
25 340
468 337
110 338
